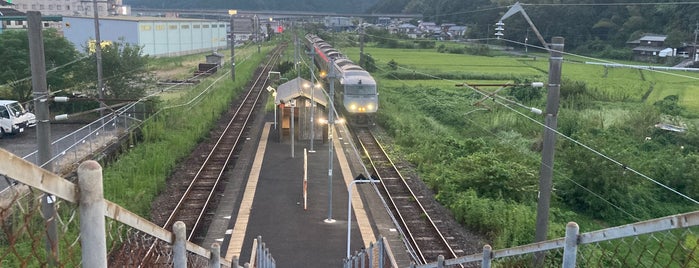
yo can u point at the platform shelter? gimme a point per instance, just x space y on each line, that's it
294 100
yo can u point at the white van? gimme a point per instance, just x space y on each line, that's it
13 118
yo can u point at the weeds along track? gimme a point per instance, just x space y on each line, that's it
205 185
196 199
421 232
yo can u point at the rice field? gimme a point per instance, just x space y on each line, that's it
607 84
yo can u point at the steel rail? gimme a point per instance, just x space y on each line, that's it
208 176
422 233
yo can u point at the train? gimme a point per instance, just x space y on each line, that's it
355 89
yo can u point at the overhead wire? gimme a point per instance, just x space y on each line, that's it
613 4
625 167
549 167
357 155
526 107
601 60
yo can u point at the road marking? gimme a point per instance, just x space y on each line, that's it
363 222
241 223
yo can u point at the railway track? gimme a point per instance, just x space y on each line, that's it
195 202
421 232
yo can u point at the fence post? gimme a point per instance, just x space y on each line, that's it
370 252
234 263
381 252
570 250
487 251
215 260
179 250
92 207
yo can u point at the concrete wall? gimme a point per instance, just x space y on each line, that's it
158 37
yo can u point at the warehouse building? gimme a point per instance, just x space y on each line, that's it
158 36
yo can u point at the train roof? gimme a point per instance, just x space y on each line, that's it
357 77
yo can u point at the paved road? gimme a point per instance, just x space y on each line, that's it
25 143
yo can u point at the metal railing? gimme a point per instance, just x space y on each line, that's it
670 241
89 238
378 255
69 150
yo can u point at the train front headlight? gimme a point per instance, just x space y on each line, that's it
370 107
353 107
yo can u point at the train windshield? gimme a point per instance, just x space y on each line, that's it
360 89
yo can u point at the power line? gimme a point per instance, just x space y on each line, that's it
616 4
556 171
601 60
619 163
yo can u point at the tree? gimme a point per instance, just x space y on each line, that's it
15 67
124 71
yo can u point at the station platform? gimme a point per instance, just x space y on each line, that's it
264 197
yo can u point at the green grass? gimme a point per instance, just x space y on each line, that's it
135 179
607 84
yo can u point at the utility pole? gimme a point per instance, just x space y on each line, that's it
232 13
696 32
551 121
98 57
43 128
312 52
331 126
361 47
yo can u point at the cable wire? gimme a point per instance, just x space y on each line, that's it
619 163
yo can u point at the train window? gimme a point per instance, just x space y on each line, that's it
360 89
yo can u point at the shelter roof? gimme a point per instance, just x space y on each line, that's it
299 87
11 12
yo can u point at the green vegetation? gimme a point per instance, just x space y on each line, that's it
483 160
132 182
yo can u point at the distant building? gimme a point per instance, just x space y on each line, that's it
13 19
69 7
157 36
243 30
648 47
339 23
429 27
407 28
456 32
383 21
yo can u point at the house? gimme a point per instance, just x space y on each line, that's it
69 7
11 18
339 23
244 29
456 32
408 29
428 27
648 47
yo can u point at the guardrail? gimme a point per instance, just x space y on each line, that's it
670 241
121 238
69 150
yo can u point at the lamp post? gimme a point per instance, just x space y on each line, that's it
313 101
331 126
349 209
